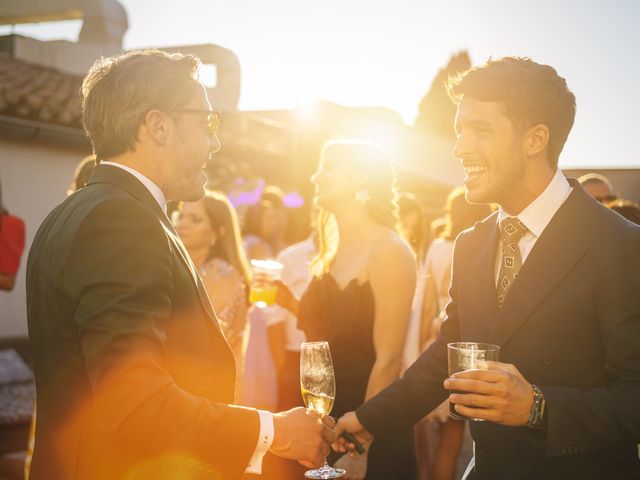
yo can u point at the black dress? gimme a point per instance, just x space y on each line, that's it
344 318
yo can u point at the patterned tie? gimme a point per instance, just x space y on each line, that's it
511 230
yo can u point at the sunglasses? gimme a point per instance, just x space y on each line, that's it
213 117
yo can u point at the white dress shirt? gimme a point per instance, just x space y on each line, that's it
152 187
296 275
536 216
265 438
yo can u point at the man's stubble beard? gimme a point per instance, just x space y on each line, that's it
188 187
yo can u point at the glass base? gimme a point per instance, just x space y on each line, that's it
325 472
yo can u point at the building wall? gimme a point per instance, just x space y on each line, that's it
35 175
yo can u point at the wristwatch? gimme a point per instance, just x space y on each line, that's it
536 415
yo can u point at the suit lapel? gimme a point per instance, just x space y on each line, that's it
482 280
566 239
123 179
186 260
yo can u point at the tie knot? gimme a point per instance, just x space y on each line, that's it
512 230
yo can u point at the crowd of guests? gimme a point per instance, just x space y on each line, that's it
373 278
366 242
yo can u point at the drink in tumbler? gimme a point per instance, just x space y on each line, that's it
469 356
263 289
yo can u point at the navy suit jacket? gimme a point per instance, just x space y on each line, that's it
570 324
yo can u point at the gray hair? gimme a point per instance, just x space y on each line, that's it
119 91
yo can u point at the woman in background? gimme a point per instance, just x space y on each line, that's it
210 232
359 299
413 229
261 221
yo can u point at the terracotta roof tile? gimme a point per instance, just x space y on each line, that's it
39 93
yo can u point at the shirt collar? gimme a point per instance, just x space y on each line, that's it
537 215
152 187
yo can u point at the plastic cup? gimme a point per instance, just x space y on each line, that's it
263 287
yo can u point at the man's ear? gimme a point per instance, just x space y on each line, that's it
536 139
158 126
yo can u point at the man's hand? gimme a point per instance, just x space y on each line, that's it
302 435
349 423
500 394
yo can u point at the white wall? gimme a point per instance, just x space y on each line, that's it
35 176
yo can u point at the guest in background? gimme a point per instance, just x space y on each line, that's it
82 174
440 437
209 229
278 229
598 186
627 208
259 380
359 299
12 238
413 224
413 228
260 223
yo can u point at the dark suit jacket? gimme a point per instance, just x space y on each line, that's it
134 376
570 324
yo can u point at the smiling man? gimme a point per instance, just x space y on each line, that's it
552 278
135 379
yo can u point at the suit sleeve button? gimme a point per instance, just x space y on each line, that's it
548 359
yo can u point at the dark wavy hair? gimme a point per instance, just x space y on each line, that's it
530 94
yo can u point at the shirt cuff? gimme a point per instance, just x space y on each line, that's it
265 439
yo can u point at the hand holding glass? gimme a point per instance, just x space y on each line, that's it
318 385
469 356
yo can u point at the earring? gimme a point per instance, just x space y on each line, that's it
362 196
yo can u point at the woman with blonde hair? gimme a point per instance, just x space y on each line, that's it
359 299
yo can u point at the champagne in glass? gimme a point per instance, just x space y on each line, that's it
318 385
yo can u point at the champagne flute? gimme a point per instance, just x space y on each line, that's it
318 385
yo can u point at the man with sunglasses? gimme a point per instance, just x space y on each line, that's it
134 376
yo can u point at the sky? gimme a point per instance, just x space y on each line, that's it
386 53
